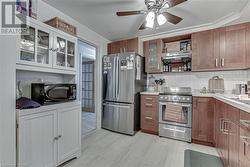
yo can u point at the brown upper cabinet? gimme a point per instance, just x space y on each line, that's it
233 47
248 44
130 45
221 49
203 56
152 53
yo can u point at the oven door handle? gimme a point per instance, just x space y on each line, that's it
179 104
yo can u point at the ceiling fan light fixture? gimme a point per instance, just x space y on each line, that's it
150 24
150 16
161 19
166 5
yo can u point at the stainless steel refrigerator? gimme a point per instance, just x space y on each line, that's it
123 80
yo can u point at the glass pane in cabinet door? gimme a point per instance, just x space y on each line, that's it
71 54
28 46
42 47
153 55
61 52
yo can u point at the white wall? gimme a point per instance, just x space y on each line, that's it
7 100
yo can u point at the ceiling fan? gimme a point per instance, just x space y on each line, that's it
156 13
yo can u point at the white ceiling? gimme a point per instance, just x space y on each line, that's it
100 15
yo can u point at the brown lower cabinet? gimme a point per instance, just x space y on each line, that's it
203 121
150 114
227 121
244 156
230 132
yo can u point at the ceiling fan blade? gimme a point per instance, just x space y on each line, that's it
173 3
143 26
128 13
172 18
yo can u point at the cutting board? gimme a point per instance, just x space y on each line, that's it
216 85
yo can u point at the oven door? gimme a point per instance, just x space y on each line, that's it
178 114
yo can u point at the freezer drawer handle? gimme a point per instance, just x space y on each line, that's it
148 98
112 105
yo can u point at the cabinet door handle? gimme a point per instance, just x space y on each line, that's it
221 125
222 62
216 62
244 140
225 125
149 118
245 123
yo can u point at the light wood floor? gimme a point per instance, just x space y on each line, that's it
108 149
88 122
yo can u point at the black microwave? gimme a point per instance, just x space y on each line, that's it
49 93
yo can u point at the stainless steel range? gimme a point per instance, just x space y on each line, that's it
175 113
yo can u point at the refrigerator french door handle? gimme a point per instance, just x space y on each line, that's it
114 79
118 77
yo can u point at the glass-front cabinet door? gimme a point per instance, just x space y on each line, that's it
152 53
36 47
43 47
70 54
65 53
28 50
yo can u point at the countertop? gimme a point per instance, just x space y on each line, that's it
46 108
150 93
228 99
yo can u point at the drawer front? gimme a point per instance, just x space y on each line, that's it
174 132
149 113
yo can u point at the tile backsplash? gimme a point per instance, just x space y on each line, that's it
198 80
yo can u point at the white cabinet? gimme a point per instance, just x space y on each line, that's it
36 138
69 133
45 46
50 138
36 47
65 52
